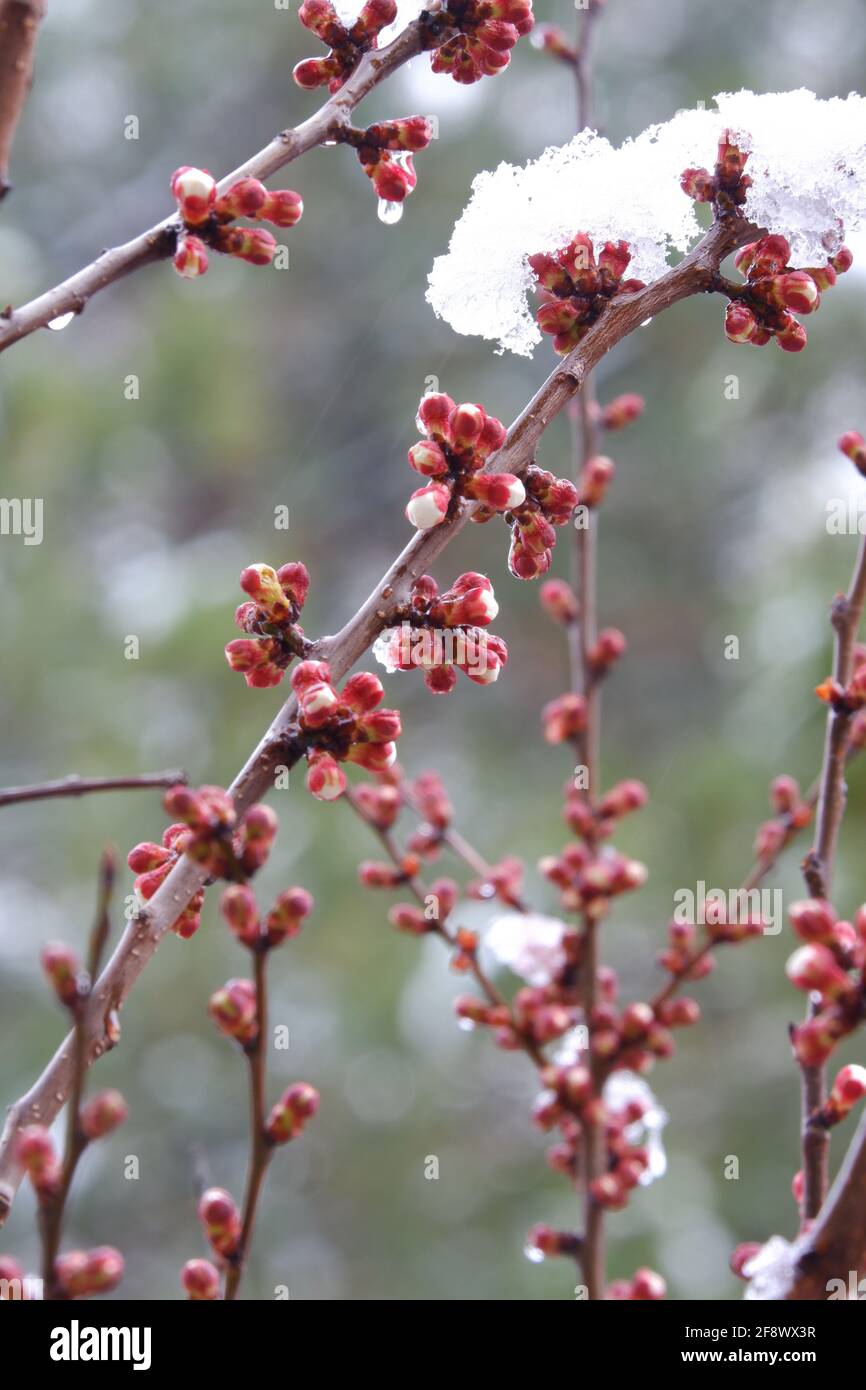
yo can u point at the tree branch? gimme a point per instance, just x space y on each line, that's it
19 26
157 242
845 615
693 275
83 786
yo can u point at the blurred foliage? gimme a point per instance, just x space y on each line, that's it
266 388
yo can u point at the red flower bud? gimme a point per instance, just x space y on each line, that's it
103 1113
647 1285
200 1280
286 917
61 966
81 1272
195 191
290 1114
813 967
406 917
813 920
190 257
595 479
559 600
622 411
853 446
428 506
34 1150
221 1220
234 1010
283 208
244 199
250 244
427 458
607 649
238 907
564 718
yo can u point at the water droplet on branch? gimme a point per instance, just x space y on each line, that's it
61 321
389 213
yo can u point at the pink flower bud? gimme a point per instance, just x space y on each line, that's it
283 208
200 1280
80 1273
647 1285
408 918
190 258
609 1192
321 18
595 479
234 1010
315 72
559 600
103 1113
813 920
792 336
564 718
62 969
257 834
427 458
543 1241
607 649
35 1152
784 794
238 907
326 780
290 1114
853 446
502 492
622 411
363 692
699 185
796 291
434 416
813 967
250 244
221 1220
740 322
244 199
848 1088
428 507
287 915
392 181
195 191
842 261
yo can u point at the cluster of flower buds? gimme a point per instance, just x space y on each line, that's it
210 834
459 439
774 293
440 900
831 964
549 502
285 919
568 1103
588 880
200 1281
503 881
295 1107
792 813
219 1215
575 288
441 634
853 446
152 863
848 1090
683 957
429 798
335 727
270 618
600 821
644 1286
851 698
209 219
489 29
347 45
80 1273
385 152
727 185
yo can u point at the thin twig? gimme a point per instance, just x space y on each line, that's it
52 1211
83 786
19 26
147 928
73 294
260 1147
845 615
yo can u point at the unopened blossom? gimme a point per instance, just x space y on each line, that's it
296 1106
341 726
489 29
104 1112
221 1220
200 1280
628 1094
346 43
459 439
441 634
529 944
575 287
209 220
269 618
80 1273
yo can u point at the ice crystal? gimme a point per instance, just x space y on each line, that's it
807 162
529 943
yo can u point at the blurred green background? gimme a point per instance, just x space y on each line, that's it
298 387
